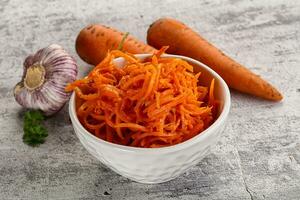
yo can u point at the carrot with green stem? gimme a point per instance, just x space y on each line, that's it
94 41
183 40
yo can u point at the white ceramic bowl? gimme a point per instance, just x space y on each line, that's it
156 165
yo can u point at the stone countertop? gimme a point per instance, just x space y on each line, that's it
258 156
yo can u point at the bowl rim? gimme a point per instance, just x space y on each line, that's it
196 139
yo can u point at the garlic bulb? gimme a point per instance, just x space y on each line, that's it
45 77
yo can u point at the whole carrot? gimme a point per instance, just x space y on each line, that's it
183 40
94 41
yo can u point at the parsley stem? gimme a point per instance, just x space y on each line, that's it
120 47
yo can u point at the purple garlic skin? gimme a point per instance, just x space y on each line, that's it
45 77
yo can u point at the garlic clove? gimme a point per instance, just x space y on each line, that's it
28 62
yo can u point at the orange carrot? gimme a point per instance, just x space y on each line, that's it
183 40
94 41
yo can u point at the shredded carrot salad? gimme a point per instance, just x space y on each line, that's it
152 103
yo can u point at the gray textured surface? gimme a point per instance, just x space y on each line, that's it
258 156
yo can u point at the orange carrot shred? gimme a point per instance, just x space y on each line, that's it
152 103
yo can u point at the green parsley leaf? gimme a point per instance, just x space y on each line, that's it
34 132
